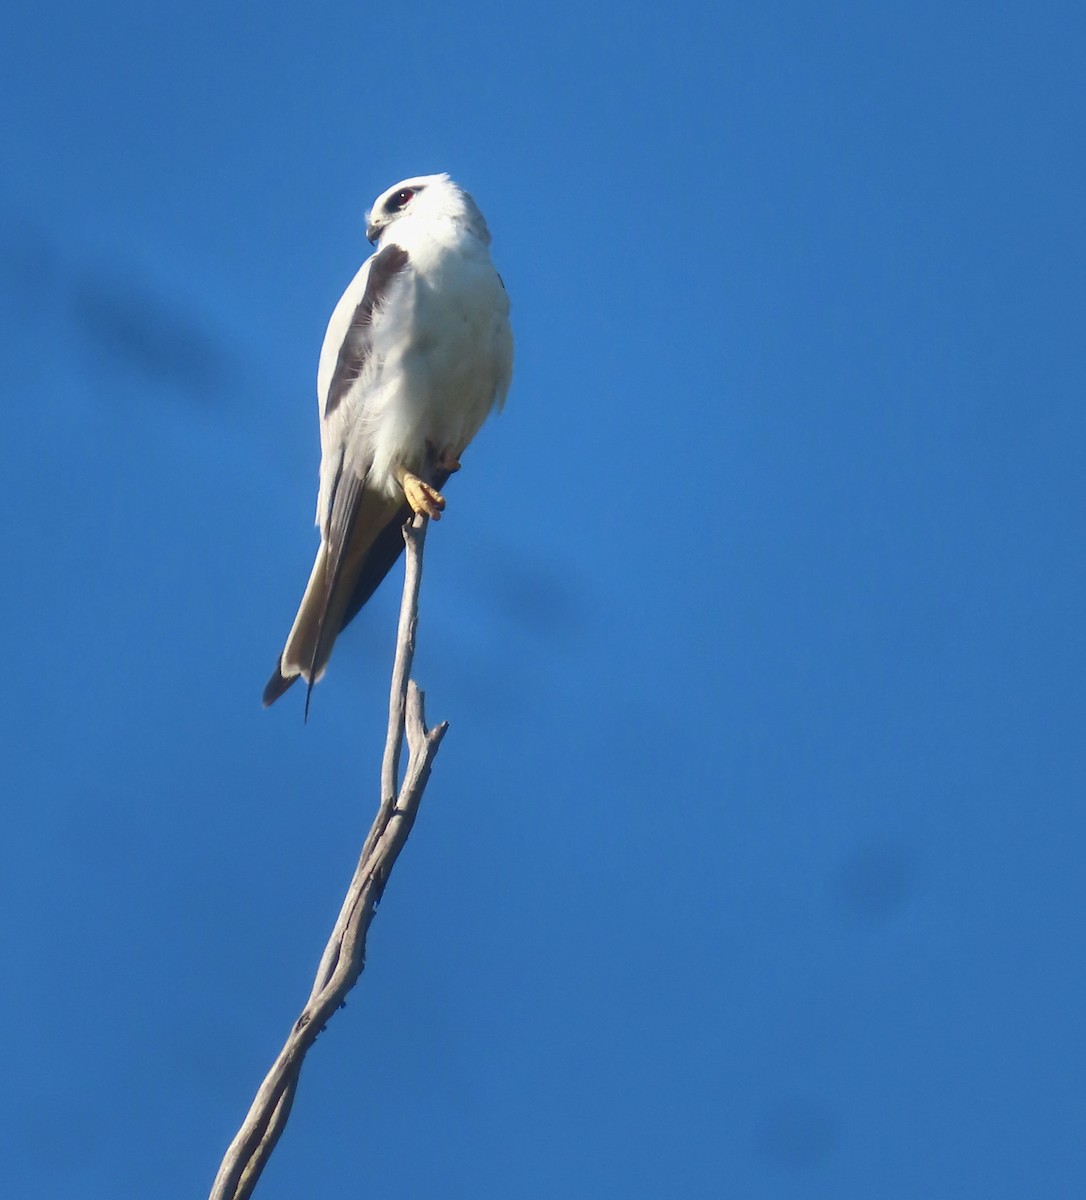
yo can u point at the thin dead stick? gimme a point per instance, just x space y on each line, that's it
344 956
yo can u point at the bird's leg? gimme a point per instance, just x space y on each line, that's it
420 495
445 461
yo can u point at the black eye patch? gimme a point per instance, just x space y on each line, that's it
396 202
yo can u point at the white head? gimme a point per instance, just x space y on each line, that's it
429 197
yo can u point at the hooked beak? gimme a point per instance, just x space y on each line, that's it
373 232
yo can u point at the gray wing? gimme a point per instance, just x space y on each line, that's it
352 519
357 345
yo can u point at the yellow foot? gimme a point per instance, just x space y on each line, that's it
449 462
421 496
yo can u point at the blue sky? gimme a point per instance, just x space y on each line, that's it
751 865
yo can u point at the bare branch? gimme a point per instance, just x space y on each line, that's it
344 956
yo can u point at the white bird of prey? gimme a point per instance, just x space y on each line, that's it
418 351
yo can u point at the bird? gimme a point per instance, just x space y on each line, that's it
418 353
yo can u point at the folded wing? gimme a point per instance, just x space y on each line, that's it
355 520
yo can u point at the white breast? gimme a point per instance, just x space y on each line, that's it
442 358
446 355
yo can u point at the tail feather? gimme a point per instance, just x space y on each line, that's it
277 685
302 639
327 604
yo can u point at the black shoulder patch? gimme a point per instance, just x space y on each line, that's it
358 342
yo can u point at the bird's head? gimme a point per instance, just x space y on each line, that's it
426 198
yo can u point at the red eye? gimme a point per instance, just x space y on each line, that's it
401 198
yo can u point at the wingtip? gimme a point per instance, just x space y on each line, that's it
277 685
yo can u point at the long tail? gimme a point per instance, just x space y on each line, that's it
323 612
302 639
335 593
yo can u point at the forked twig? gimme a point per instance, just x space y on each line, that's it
344 956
